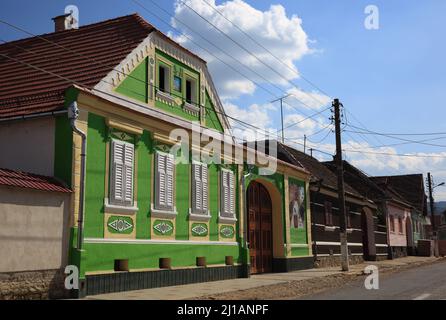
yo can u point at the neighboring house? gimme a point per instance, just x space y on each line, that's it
362 183
34 234
147 211
325 213
398 218
410 188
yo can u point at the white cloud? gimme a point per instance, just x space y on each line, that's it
307 100
280 34
255 115
390 163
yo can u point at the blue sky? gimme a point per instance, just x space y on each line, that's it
391 79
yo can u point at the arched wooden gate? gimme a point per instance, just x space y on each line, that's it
260 226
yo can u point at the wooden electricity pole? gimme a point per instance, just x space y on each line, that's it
341 191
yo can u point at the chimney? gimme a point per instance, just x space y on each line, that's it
65 22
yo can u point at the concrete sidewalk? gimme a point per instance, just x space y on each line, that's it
192 291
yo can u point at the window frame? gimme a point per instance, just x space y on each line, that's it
193 90
392 223
157 210
111 204
202 214
223 216
167 77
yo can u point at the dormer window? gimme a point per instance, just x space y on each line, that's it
163 78
191 87
177 83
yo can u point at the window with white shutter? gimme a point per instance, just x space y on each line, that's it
164 181
227 194
199 188
121 178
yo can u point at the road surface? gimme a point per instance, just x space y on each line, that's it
423 283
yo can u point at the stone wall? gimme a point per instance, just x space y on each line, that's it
32 285
335 261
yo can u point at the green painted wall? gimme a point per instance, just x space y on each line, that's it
212 120
95 179
134 85
100 257
182 201
213 199
299 252
63 142
144 188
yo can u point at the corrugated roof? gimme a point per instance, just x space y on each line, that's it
21 179
96 49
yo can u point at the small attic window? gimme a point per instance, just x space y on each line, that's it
191 87
163 79
177 83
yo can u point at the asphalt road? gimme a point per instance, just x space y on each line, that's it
423 283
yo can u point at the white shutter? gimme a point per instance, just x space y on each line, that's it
170 166
231 205
160 189
128 165
196 188
204 180
117 180
224 192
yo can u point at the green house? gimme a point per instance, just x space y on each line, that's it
159 208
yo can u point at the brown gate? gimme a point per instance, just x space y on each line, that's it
260 228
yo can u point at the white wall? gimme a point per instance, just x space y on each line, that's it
28 145
34 229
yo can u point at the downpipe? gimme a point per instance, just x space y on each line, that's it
73 115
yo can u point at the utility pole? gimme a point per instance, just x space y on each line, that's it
305 143
430 185
431 201
341 192
281 113
311 152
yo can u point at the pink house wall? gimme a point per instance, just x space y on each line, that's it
397 238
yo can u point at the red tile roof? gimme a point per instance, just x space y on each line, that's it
15 178
96 49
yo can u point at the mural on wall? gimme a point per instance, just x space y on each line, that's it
297 211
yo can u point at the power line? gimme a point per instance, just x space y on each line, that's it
218 48
119 71
266 49
242 47
397 154
399 134
402 139
129 101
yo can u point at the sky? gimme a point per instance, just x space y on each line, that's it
389 79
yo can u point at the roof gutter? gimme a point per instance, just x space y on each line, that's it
34 116
73 115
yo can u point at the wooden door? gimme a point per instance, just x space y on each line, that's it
260 228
